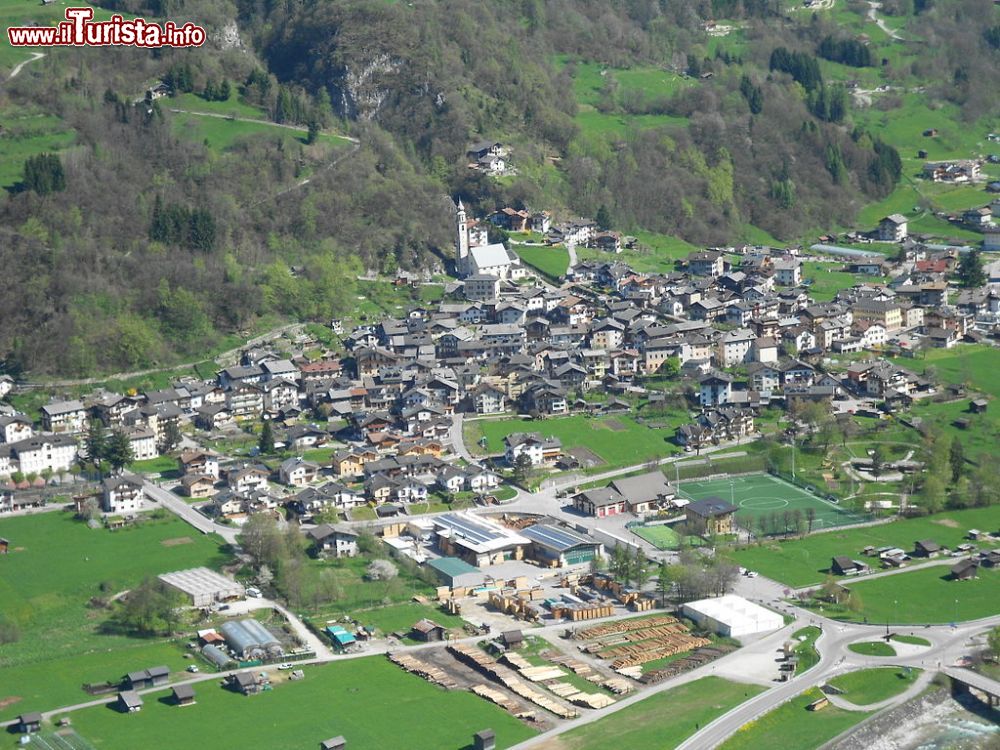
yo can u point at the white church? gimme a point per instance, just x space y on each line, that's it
474 256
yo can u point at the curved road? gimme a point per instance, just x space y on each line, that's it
20 65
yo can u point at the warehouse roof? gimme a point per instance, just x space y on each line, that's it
477 534
452 567
202 581
556 538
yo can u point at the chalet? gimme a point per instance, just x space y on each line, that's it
129 702
183 695
705 263
715 513
964 570
927 548
842 565
538 449
64 416
198 485
427 631
334 540
200 462
352 463
247 479
297 472
246 683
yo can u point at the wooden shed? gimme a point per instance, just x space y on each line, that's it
183 695
29 722
334 743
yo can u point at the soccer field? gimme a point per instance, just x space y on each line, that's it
762 495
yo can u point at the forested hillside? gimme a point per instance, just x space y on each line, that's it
157 232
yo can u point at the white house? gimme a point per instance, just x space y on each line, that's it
532 445
297 472
247 479
735 347
15 428
121 495
489 400
892 228
787 272
143 442
36 454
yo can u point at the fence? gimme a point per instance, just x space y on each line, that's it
707 467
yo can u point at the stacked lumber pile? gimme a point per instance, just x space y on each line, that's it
695 659
639 653
493 695
422 669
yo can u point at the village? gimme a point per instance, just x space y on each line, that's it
446 438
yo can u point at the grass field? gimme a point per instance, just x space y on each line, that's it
663 720
976 364
867 686
827 279
802 562
220 134
619 440
346 699
928 596
401 617
551 261
793 727
55 566
806 650
760 495
873 648
24 133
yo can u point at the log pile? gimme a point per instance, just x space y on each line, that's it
422 669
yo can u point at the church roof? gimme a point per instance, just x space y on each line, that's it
490 255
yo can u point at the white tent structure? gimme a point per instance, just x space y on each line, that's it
732 616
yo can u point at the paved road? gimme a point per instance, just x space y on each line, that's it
185 512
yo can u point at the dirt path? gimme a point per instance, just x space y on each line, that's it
20 65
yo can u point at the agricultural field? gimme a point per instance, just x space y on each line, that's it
618 440
24 133
806 561
793 727
334 699
662 720
361 598
974 364
220 134
657 253
551 261
827 279
400 617
56 565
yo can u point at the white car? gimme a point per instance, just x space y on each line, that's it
285 666
192 668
